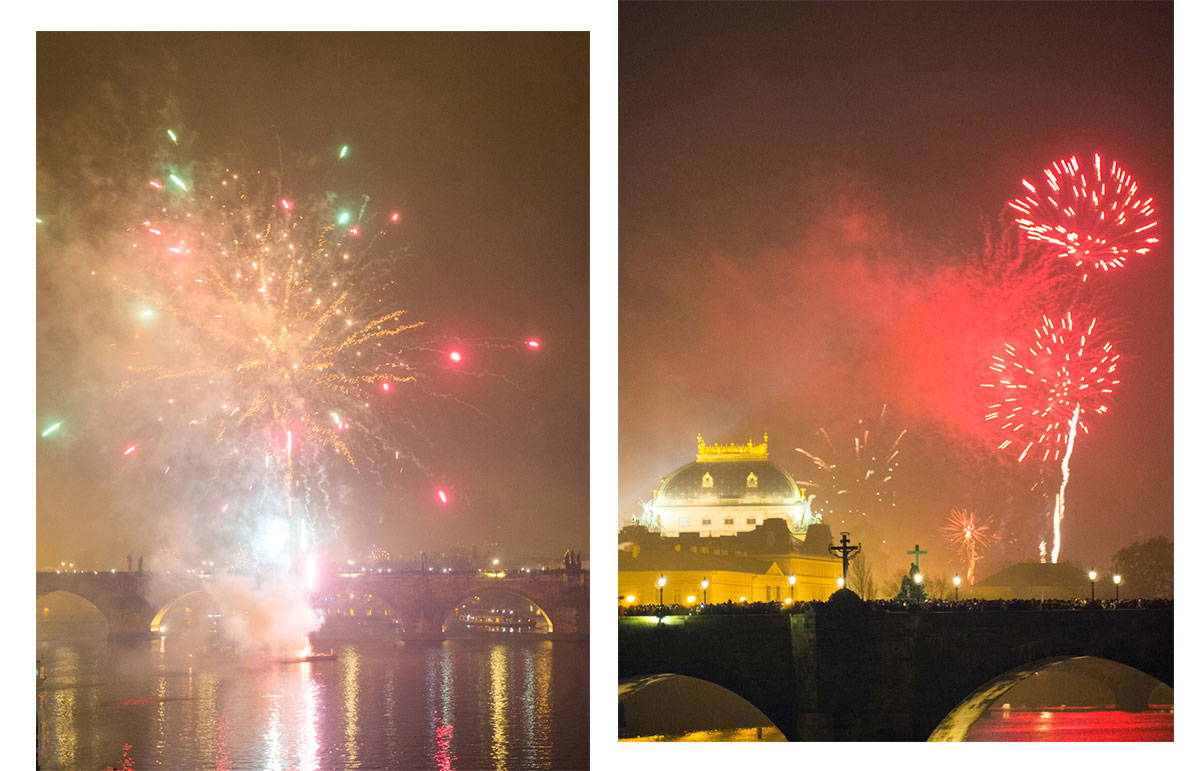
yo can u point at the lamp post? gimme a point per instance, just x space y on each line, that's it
792 586
704 589
1092 578
841 582
957 581
1117 585
917 579
662 581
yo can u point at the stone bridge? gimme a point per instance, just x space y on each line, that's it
831 673
423 601
133 604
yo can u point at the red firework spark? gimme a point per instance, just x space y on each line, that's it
1092 216
969 536
1041 386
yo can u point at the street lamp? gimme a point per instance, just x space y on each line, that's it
841 582
662 581
704 588
917 579
1092 577
957 581
1117 585
792 586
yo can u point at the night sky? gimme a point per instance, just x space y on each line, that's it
803 189
480 140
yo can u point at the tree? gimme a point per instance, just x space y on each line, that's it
1147 568
862 578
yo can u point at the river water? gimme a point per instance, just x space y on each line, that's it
1074 725
480 703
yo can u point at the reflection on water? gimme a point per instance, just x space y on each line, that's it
762 734
1074 725
464 704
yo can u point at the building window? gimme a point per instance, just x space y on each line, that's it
684 521
729 520
706 480
751 521
706 521
751 480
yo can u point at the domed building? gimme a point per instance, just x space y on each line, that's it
728 489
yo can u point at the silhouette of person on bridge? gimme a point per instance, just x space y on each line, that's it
128 563
139 564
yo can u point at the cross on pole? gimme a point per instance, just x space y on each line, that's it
848 552
917 551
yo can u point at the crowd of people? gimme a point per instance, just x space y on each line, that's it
894 606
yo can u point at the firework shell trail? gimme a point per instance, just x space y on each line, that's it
1091 214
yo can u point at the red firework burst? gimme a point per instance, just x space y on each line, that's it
1046 389
971 538
1091 216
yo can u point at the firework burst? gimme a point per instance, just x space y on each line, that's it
853 478
264 325
971 538
1045 392
1090 215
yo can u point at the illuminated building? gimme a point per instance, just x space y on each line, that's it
728 489
754 565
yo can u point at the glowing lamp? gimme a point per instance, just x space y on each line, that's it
704 584
742 599
630 598
791 580
918 578
691 598
957 580
1116 578
495 562
841 582
1092 575
662 581
788 601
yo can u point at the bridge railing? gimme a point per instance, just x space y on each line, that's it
896 606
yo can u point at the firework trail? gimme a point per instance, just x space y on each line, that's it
1091 215
265 326
847 484
971 538
1044 393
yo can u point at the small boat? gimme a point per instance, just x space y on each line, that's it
330 656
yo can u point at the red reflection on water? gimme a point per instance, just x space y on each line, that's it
126 761
222 747
442 734
1059 725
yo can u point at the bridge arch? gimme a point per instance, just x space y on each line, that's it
537 608
675 705
46 595
156 622
1130 689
